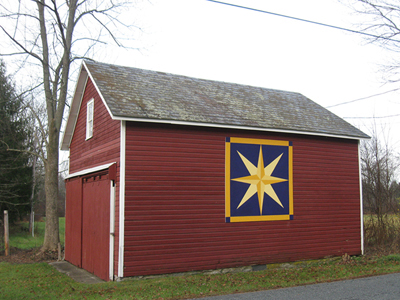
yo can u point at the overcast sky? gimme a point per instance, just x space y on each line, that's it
207 40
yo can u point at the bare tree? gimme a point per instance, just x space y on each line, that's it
36 117
381 18
379 166
45 33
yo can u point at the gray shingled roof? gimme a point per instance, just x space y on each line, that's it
143 94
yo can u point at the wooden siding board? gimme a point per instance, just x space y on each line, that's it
220 243
319 228
153 233
175 202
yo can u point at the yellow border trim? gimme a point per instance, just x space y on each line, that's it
291 180
260 218
227 179
228 217
259 142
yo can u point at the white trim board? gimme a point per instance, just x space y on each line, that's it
227 126
112 230
122 201
361 201
90 170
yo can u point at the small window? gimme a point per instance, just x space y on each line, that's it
89 119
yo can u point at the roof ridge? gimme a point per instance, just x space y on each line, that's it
192 77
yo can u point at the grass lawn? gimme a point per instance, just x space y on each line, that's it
21 239
42 281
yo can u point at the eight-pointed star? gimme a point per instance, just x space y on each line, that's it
260 180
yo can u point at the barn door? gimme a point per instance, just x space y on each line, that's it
96 225
73 221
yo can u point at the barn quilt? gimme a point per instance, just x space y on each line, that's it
258 180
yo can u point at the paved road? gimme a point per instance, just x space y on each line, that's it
382 287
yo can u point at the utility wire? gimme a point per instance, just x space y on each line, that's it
383 117
304 20
329 26
364 98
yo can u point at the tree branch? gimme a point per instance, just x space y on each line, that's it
24 151
20 45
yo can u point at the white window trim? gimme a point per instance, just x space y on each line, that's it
89 119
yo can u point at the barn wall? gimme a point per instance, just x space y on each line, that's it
102 148
175 202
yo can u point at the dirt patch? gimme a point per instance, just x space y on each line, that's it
20 256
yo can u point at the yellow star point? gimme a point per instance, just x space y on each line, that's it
260 180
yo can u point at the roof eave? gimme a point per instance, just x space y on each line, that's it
240 127
74 108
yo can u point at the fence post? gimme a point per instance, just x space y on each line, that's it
6 232
33 223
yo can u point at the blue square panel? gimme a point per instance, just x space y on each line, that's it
258 180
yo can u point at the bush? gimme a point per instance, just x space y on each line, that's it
382 232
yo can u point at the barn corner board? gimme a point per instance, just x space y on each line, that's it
171 173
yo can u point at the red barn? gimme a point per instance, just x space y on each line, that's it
169 174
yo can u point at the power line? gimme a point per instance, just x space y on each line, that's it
382 117
304 20
364 98
329 26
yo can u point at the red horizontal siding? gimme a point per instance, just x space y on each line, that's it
175 202
102 148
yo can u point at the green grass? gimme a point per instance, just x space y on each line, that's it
21 239
42 281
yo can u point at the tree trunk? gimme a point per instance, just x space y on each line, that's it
51 235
